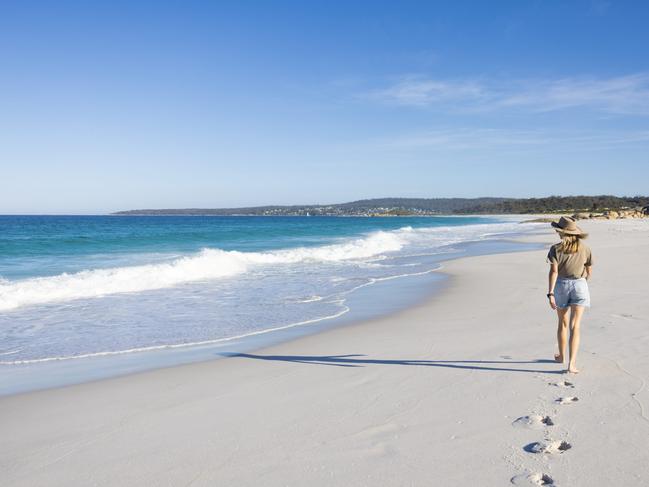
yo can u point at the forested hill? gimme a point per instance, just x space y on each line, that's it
424 206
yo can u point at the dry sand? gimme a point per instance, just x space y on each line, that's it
429 396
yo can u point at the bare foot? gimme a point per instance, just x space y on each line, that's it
573 370
558 358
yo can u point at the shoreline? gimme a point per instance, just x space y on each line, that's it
395 296
397 400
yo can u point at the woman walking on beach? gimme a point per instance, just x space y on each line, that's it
570 267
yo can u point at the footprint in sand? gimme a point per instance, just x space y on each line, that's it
533 422
551 447
628 316
567 400
534 478
563 383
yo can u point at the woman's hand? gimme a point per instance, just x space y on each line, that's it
553 303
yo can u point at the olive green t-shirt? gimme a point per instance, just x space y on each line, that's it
571 266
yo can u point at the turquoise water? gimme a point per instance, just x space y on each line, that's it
48 245
77 288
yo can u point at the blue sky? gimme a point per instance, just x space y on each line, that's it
117 105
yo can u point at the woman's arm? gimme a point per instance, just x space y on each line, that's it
589 271
552 280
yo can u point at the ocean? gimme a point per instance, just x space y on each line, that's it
80 288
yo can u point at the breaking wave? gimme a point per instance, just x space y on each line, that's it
210 263
215 263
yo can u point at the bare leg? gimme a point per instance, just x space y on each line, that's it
562 334
576 312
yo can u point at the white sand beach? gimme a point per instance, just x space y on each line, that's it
456 392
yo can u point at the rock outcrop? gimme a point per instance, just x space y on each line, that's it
614 214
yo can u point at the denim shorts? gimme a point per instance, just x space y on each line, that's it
569 292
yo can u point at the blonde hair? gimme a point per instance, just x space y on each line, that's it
569 243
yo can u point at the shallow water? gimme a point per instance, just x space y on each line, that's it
78 289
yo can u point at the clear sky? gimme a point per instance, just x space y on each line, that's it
119 105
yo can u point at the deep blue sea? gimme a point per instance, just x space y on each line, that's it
77 287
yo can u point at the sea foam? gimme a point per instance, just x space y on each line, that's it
215 263
210 263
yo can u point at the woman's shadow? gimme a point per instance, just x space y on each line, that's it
357 360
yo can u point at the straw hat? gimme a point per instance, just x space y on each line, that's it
568 226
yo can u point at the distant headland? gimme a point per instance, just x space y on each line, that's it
587 206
